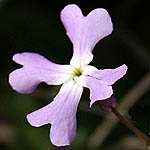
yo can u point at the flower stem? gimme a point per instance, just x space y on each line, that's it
132 127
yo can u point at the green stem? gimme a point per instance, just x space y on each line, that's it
140 134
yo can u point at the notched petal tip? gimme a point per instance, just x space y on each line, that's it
124 68
70 6
103 25
58 139
60 144
32 121
15 56
18 57
70 9
20 82
120 72
103 16
110 76
41 116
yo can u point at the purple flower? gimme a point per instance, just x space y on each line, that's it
84 33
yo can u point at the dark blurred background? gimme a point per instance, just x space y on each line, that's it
35 26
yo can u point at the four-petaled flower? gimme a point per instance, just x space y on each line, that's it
84 33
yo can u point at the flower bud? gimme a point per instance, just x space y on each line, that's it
108 104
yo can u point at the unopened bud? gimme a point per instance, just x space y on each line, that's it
108 104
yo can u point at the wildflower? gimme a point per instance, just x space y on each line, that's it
84 33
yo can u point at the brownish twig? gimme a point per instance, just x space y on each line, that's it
129 125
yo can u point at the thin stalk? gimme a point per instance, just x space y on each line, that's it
140 134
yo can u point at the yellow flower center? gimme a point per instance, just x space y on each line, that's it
77 72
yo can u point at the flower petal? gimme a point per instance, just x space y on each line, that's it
110 76
99 81
85 32
99 90
61 113
36 69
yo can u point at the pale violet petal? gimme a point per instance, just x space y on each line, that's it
110 76
85 32
99 90
36 69
99 81
60 113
